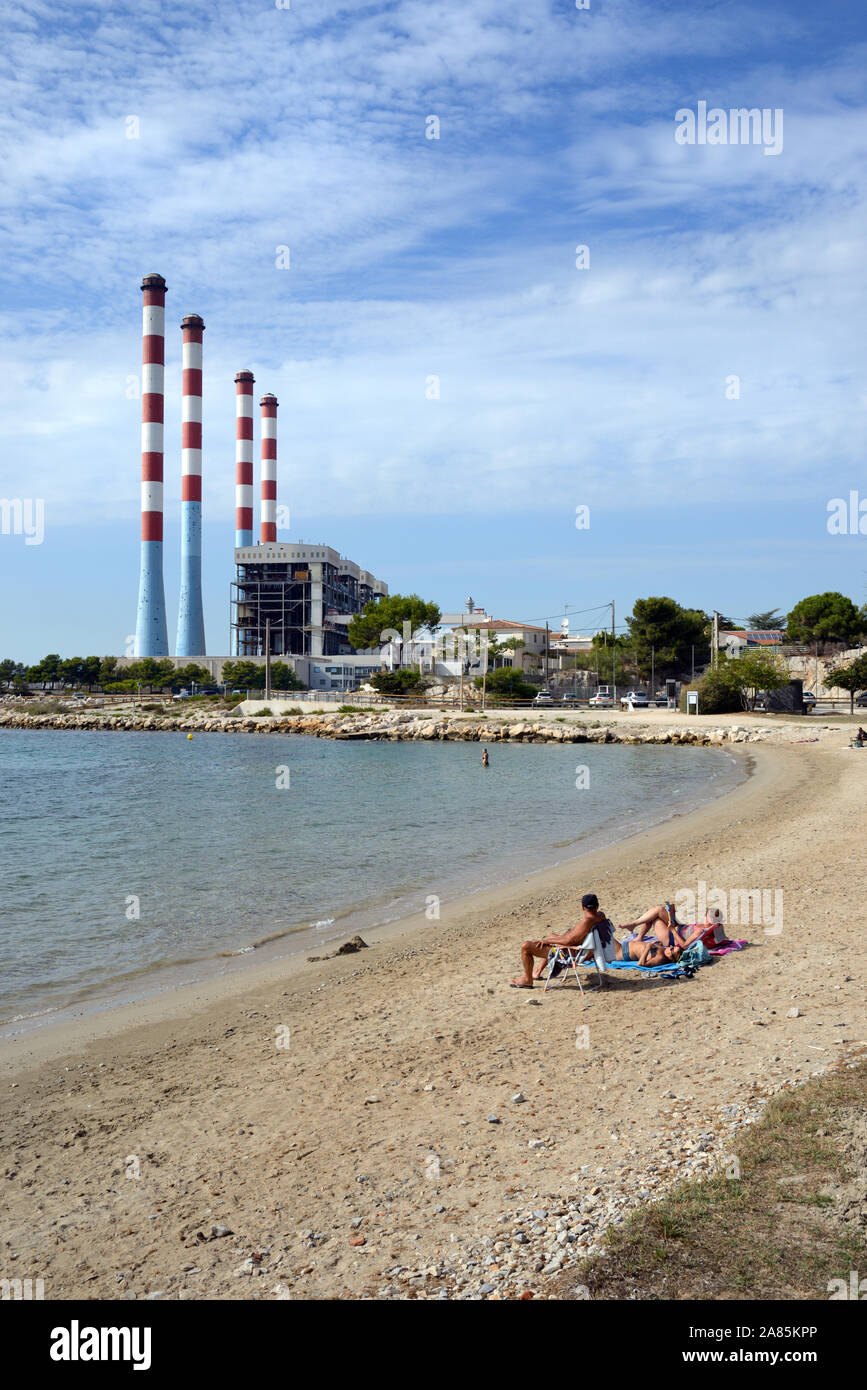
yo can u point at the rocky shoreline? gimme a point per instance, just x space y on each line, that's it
402 725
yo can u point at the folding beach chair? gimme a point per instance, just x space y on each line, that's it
590 953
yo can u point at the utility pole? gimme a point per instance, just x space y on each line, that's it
613 657
715 648
692 649
484 669
546 654
267 658
652 665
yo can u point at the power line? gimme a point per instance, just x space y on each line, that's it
575 613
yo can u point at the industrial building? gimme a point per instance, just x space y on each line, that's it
304 596
294 600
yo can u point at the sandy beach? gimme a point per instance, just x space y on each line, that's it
349 1127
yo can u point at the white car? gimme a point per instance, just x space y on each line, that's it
543 698
602 701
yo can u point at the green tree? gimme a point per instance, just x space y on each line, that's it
107 670
8 670
829 617
404 681
46 671
659 628
284 678
507 681
90 671
759 670
71 670
389 614
773 619
719 689
182 677
150 672
852 678
244 675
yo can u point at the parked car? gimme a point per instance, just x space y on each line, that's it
809 700
182 695
543 698
602 701
634 699
860 700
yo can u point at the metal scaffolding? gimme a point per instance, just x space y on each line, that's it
281 593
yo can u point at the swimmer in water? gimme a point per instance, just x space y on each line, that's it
485 758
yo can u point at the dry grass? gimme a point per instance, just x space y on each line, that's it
775 1233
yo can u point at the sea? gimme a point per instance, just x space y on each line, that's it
132 862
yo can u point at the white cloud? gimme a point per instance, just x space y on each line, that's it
414 257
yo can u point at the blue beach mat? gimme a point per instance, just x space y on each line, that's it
675 969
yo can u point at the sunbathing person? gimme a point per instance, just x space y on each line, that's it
662 921
538 950
650 952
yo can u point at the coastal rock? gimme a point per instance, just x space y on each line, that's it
350 947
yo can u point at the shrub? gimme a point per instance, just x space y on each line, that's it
507 681
401 682
718 689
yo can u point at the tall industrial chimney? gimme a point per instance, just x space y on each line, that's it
269 468
244 458
191 621
151 638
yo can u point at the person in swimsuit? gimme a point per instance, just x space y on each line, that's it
650 952
663 922
533 951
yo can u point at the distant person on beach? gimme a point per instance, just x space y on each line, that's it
860 737
538 950
485 759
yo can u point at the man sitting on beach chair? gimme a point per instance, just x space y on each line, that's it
538 950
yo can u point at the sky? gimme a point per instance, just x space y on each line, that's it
455 377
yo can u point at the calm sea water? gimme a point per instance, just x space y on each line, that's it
134 861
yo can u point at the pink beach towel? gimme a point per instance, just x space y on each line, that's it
726 947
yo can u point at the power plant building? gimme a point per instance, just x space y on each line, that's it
300 597
294 600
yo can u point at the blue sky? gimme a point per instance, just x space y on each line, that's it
454 258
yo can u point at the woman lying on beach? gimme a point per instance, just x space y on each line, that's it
662 921
650 952
538 950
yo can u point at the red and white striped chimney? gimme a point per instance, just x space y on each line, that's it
151 638
191 622
269 468
244 458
